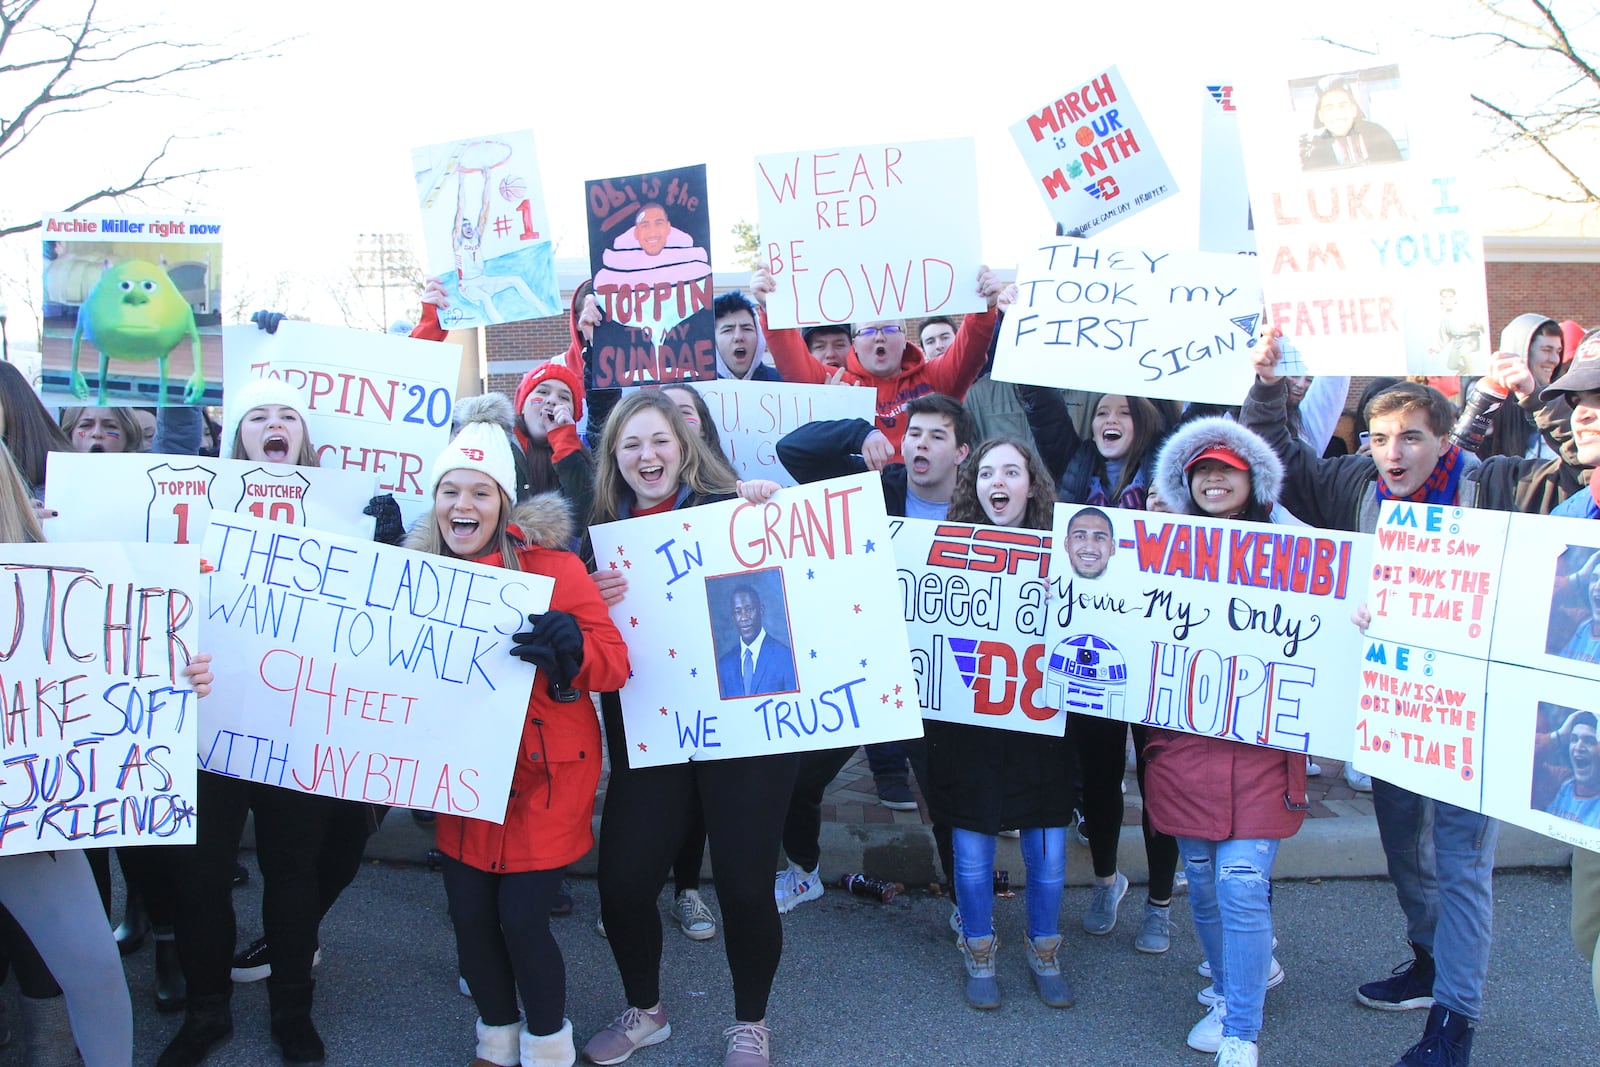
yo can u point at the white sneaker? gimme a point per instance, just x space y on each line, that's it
955 920
1313 768
1208 996
1206 1035
1361 783
694 917
1236 1052
793 887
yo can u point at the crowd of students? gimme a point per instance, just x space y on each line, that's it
519 485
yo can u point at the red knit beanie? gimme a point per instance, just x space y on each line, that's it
550 368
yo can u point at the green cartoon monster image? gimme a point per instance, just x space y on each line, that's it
135 312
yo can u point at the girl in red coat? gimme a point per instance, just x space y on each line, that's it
1228 804
502 878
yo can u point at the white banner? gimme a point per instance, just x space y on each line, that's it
869 232
803 586
1226 224
357 670
100 724
140 496
752 416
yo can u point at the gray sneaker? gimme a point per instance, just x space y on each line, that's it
694 917
1100 917
1155 933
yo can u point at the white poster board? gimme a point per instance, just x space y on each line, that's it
1132 321
379 403
1226 223
975 601
365 672
867 232
1091 155
812 572
487 233
100 725
1370 241
138 496
751 417
1479 682
1210 626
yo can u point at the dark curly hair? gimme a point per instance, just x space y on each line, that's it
964 504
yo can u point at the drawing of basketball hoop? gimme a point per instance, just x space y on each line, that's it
471 157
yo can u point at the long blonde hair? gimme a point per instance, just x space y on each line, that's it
699 471
19 523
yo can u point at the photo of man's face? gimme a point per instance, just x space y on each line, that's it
1090 543
1582 754
746 615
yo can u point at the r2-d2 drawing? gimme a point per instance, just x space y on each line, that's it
1087 674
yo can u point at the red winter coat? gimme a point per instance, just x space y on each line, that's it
550 811
1215 790
952 373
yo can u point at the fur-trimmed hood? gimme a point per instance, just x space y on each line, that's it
1193 438
544 520
490 407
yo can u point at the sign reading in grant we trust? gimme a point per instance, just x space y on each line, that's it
379 404
1229 629
761 628
100 724
1478 682
365 672
975 600
137 496
1122 320
869 232
1092 156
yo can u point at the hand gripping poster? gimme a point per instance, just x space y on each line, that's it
1481 666
488 239
761 628
650 255
975 600
98 745
1229 629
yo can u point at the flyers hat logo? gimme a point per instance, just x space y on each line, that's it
474 454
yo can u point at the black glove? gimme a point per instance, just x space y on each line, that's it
555 646
390 529
268 320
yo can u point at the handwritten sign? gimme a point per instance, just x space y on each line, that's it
365 672
1479 676
136 496
100 724
755 629
1226 224
871 231
1091 155
752 416
1371 246
1118 320
1228 629
132 310
487 233
650 254
975 602
379 404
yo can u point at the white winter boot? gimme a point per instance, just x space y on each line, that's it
497 1045
551 1050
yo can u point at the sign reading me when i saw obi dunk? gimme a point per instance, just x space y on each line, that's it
364 672
755 629
1230 629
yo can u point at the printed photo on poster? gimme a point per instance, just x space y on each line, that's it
1566 764
1352 119
1573 631
1090 543
750 632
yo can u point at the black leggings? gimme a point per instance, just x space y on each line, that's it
504 945
642 827
1101 746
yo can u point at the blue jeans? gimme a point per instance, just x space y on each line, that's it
1230 895
1044 852
1441 860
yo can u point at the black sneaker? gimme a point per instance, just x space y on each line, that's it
1447 1042
1408 987
254 963
896 795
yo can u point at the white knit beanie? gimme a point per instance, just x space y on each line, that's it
481 445
237 403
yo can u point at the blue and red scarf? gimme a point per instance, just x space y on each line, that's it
1441 486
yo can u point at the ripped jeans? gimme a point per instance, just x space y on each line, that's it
1230 894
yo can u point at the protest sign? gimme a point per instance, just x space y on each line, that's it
1092 157
100 724
1479 675
1371 246
1229 629
752 416
487 234
867 232
803 586
376 403
1122 320
650 254
1226 224
137 496
975 599
132 310
365 672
